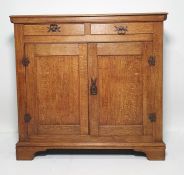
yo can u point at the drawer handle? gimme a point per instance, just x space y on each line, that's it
121 30
93 88
54 28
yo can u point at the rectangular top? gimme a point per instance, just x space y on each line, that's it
126 17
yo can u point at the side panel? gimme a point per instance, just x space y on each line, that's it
21 86
158 53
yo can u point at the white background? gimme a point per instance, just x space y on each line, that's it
173 53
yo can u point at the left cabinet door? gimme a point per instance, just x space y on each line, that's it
56 89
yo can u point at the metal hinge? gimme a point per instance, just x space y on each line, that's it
152 117
27 118
25 61
152 60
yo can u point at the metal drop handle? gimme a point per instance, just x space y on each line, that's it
121 30
54 28
93 88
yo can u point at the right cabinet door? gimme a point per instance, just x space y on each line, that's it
121 85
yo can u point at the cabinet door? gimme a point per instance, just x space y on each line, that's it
123 79
57 89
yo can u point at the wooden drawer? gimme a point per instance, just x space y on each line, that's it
121 28
54 29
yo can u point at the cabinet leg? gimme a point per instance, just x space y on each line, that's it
27 153
155 153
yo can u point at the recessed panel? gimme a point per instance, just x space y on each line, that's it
120 90
58 90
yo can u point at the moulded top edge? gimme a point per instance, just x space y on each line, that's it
159 16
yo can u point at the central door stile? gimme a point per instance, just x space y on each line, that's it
93 99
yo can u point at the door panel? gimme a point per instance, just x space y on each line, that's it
123 100
56 80
56 77
120 90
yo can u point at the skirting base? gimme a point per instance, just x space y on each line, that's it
151 152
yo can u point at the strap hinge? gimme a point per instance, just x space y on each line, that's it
152 60
152 117
27 118
25 61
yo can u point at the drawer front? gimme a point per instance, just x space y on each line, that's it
54 29
121 28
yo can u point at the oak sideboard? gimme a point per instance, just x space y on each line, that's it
89 82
